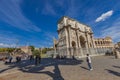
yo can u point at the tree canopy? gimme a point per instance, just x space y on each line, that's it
7 49
36 52
32 48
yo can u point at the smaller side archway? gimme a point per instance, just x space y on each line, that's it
73 48
73 44
82 42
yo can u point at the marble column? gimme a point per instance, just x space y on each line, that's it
67 42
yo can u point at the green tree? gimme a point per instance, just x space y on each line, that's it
10 49
36 52
32 48
3 49
44 50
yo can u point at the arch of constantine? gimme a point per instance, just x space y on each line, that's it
76 39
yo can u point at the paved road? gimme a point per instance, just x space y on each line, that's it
105 68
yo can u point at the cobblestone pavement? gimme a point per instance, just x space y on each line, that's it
104 68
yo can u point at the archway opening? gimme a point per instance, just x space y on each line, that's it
73 44
82 42
73 48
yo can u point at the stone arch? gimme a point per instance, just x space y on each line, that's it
82 42
101 42
73 48
73 44
96 42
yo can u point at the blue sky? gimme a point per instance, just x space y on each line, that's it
34 22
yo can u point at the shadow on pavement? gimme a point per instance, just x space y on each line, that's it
113 72
116 66
29 67
84 67
14 65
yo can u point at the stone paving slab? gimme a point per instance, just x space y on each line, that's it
104 68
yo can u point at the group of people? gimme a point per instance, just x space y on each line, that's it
60 57
8 59
36 59
18 59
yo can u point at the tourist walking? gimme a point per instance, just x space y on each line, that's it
10 58
37 59
88 59
31 58
18 59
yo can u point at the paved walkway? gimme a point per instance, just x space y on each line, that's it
105 68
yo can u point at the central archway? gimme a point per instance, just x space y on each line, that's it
82 42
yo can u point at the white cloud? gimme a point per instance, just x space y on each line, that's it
48 9
104 16
7 45
8 38
113 31
68 8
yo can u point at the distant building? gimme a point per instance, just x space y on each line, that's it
26 49
37 48
104 42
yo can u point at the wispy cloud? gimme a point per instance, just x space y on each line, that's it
50 35
73 9
8 37
48 40
11 13
104 16
48 9
113 31
68 8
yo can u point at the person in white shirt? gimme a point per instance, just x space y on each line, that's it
88 59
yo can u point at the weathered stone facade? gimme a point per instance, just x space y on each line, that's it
75 39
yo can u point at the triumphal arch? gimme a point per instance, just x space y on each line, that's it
73 37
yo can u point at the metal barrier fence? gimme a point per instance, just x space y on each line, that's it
79 52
